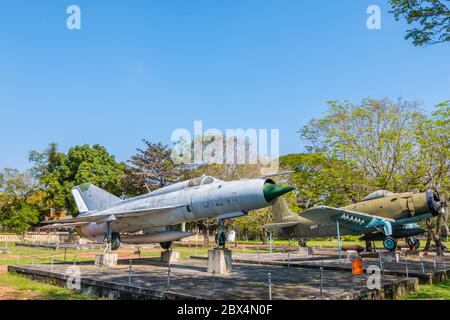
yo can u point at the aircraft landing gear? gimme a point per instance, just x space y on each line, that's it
221 236
166 245
413 243
115 241
390 244
369 246
302 243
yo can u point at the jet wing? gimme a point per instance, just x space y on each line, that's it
109 216
350 219
62 225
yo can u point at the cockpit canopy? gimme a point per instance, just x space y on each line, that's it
378 194
201 181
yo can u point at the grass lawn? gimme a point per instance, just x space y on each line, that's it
439 291
15 287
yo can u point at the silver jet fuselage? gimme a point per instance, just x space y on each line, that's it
192 200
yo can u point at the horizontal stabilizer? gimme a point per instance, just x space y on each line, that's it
280 225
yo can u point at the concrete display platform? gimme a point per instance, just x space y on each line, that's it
189 279
428 270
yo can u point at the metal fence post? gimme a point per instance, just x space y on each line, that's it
214 282
168 277
270 286
75 260
270 241
406 269
289 260
434 264
129 272
321 281
381 263
65 255
423 267
51 266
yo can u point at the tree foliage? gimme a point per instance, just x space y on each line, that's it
377 137
58 173
17 210
384 145
322 181
431 19
152 168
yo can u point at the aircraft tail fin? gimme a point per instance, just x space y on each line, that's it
281 213
89 197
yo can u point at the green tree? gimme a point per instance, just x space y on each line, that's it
152 168
17 212
50 170
58 173
430 17
322 181
433 164
392 146
376 136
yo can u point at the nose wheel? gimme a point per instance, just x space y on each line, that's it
390 244
221 236
166 245
413 243
302 243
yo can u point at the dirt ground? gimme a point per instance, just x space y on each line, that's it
7 293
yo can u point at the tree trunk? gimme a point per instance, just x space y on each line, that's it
206 236
264 237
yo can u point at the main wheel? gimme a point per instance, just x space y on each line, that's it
166 245
413 243
390 244
221 238
369 246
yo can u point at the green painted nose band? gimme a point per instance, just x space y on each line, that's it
273 191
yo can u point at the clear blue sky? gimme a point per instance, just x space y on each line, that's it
140 69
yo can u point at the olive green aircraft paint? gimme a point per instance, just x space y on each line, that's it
84 187
396 206
367 217
273 191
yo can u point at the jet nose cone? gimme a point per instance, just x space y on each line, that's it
273 191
